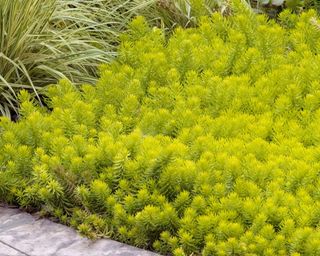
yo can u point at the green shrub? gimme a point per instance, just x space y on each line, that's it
204 144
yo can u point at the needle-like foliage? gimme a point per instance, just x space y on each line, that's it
204 143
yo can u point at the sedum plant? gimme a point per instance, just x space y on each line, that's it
203 144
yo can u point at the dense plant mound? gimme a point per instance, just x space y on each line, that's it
205 144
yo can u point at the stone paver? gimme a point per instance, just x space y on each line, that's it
22 234
8 251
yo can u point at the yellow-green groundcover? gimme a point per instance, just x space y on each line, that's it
205 143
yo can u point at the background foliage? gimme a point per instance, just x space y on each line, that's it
63 39
206 143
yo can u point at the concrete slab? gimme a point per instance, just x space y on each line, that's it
8 251
42 237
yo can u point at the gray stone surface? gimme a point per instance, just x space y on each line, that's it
8 251
23 234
